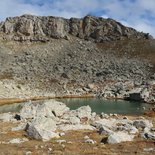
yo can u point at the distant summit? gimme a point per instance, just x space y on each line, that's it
42 28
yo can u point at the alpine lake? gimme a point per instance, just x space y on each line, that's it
97 105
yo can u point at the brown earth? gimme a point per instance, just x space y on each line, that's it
75 145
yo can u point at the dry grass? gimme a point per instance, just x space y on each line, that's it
77 147
132 47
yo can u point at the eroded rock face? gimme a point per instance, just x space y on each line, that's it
40 28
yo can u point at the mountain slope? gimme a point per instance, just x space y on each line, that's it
64 56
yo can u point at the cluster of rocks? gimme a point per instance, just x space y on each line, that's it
66 68
130 91
37 28
52 119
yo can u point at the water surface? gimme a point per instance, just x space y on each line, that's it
108 106
97 105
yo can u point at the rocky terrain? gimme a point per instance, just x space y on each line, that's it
50 127
53 56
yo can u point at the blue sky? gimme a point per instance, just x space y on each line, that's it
139 14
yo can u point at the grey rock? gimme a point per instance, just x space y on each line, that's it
18 140
119 137
42 128
105 130
142 123
21 126
90 141
67 127
148 149
37 28
74 120
148 134
49 109
61 141
6 117
84 112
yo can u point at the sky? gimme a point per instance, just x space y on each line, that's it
139 14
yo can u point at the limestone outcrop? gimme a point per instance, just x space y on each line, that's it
41 28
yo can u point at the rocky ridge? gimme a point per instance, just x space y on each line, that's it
41 28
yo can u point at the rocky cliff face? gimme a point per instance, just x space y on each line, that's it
37 28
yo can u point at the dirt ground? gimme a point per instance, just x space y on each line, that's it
74 144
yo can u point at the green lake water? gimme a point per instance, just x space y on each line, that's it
97 105
108 106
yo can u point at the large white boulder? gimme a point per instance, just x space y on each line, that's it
119 137
50 108
84 112
42 128
108 123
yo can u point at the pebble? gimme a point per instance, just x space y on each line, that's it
90 141
86 137
28 152
61 141
148 149
62 134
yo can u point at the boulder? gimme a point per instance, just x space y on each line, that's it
84 112
74 120
6 117
139 94
67 127
50 108
119 137
135 97
21 126
148 134
18 140
109 123
142 123
105 131
42 128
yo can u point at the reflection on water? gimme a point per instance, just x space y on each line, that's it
97 105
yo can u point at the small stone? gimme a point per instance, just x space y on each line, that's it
50 149
61 134
61 141
125 117
90 141
18 140
86 137
36 147
41 146
63 146
148 149
28 152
